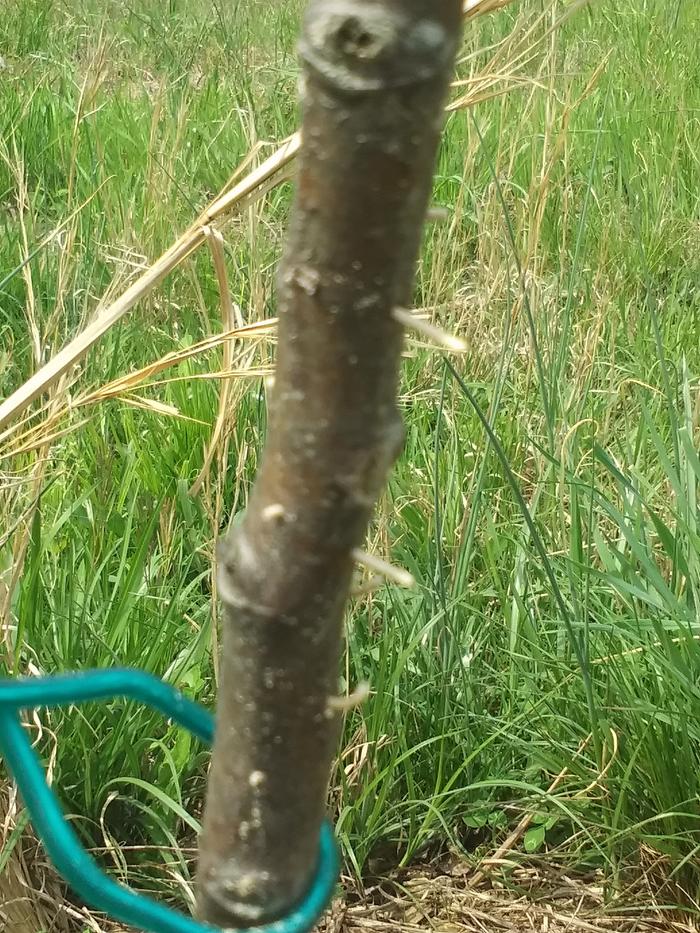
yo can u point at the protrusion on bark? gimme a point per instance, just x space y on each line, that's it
375 77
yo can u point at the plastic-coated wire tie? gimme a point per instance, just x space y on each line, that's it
61 842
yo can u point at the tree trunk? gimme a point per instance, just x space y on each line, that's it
375 77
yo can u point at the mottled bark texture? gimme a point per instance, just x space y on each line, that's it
375 77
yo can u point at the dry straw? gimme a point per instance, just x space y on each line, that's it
245 193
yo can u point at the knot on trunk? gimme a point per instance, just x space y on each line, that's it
358 46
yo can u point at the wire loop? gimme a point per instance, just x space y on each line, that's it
61 842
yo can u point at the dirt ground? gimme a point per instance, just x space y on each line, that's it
446 895
444 899
438 902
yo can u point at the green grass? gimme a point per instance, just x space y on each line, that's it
546 500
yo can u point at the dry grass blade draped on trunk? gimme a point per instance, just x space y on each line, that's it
376 75
252 187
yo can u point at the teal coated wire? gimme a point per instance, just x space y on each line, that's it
62 844
84 687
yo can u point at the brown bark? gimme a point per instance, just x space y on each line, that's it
375 76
